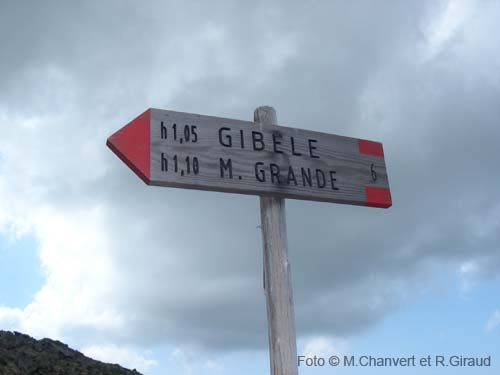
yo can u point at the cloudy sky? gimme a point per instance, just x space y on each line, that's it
169 281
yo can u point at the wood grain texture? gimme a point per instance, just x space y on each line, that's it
277 275
311 165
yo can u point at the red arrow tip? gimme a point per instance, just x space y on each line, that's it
131 145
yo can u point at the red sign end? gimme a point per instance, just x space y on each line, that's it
131 145
378 197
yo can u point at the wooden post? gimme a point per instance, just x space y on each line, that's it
277 276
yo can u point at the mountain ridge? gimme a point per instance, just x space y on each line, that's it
21 354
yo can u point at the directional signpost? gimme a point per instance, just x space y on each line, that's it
183 150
